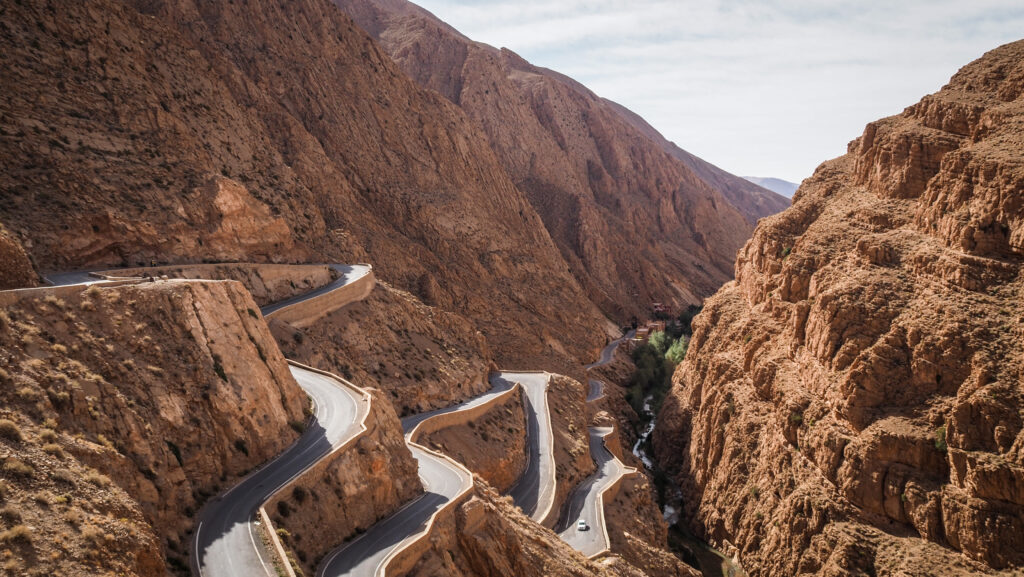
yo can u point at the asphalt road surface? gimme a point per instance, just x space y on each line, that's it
583 503
348 274
534 492
364 556
597 386
609 350
498 386
226 542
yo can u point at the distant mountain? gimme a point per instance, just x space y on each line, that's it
636 219
783 187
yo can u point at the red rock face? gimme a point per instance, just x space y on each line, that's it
183 131
636 218
852 403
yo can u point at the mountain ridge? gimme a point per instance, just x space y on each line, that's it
635 224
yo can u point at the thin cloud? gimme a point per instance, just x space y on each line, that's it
769 88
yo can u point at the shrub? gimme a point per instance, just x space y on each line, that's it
54 449
242 447
63 476
28 394
940 438
796 418
48 436
74 517
299 494
97 478
10 430
10 515
18 468
19 533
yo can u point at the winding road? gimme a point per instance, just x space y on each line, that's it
534 492
227 541
597 386
368 554
347 274
586 502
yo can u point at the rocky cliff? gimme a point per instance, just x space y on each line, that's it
487 535
17 270
423 358
175 131
636 219
492 445
124 409
851 404
348 492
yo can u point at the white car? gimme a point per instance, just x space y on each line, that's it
581 525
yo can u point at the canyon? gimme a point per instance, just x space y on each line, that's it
636 218
350 196
851 403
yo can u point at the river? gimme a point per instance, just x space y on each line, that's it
710 561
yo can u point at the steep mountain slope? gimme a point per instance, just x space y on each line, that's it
851 404
122 410
752 199
17 271
179 131
634 222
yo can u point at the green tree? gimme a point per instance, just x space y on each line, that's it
677 351
660 342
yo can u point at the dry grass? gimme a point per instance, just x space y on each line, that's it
18 468
54 449
96 478
10 514
17 533
9 430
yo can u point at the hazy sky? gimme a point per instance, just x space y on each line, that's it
765 88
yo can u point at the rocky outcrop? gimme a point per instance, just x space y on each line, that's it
492 445
573 463
636 219
136 403
850 403
488 535
173 131
423 358
638 532
17 271
348 492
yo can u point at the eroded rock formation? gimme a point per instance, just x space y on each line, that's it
179 131
423 358
349 491
636 218
851 403
134 404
